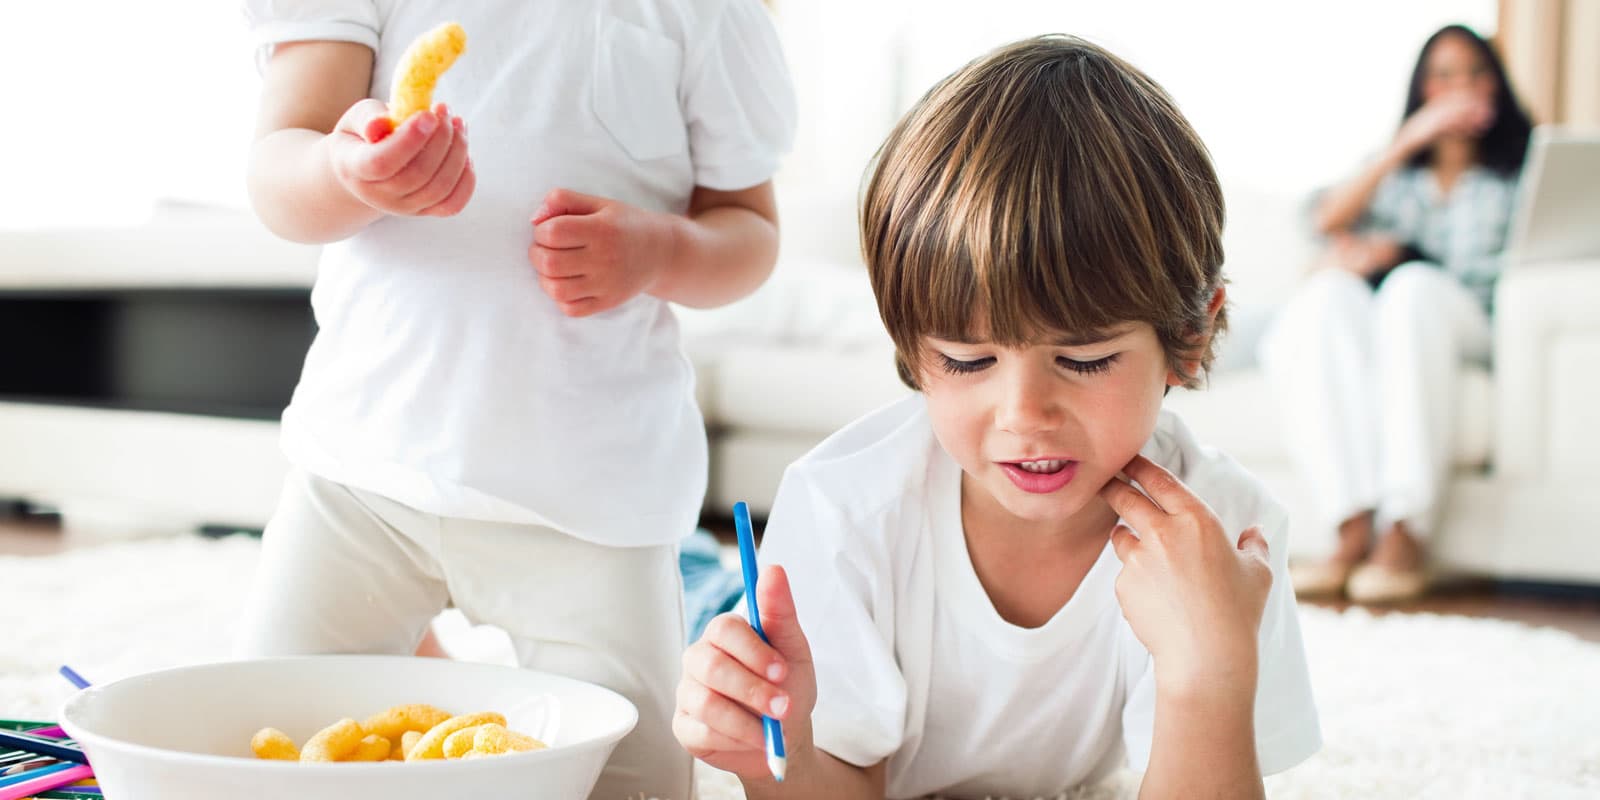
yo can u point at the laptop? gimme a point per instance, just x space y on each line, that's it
1557 215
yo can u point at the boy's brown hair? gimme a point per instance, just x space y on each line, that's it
1046 187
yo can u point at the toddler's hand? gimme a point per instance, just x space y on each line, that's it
1191 596
731 678
594 254
420 169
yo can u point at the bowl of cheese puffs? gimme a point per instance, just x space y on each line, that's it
341 726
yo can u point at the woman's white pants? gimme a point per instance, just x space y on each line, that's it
1367 388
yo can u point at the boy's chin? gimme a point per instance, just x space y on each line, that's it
1058 506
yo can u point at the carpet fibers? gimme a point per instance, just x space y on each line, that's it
1413 706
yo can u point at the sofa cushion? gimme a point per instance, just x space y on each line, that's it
1220 416
786 389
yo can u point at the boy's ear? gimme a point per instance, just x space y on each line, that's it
1203 340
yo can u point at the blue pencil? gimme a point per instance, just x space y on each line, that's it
42 746
72 676
776 760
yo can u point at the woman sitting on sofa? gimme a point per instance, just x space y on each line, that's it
1364 359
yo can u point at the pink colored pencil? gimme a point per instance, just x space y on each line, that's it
44 783
54 733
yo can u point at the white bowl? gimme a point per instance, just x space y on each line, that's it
185 733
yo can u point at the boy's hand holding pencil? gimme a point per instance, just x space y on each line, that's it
731 679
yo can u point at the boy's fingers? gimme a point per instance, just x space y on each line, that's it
733 635
1162 486
779 620
701 739
1133 506
1255 544
720 673
722 716
1123 541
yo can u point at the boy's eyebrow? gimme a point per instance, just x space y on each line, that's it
1084 338
1078 339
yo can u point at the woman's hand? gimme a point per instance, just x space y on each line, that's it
1455 114
1192 596
419 169
1362 254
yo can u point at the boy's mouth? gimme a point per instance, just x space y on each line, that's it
1040 476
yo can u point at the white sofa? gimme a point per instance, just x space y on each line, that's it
806 354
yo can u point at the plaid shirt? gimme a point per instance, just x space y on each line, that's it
1463 232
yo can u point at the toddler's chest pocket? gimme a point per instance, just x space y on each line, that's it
636 90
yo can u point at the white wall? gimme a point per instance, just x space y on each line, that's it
115 104
1288 96
111 104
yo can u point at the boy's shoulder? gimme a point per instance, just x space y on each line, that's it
1238 497
877 460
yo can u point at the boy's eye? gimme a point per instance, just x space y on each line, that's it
1094 367
956 366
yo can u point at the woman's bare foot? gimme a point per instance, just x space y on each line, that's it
1328 577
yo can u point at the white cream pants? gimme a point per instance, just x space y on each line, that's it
347 571
1367 386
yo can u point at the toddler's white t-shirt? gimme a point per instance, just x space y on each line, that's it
915 665
441 375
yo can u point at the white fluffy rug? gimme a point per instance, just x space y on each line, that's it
1413 706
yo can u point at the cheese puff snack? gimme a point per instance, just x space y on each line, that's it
393 723
408 740
397 735
492 739
460 743
431 745
372 747
334 743
271 743
420 67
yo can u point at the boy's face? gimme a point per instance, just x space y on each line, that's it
1040 429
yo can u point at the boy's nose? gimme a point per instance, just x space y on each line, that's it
1027 408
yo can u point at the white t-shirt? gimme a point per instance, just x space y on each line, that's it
442 376
915 665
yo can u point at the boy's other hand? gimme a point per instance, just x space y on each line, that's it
1193 597
731 678
419 169
594 254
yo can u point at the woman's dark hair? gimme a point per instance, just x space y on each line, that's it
1505 144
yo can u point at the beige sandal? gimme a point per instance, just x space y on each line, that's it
1370 583
1324 578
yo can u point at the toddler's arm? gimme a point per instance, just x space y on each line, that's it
594 253
724 249
324 164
